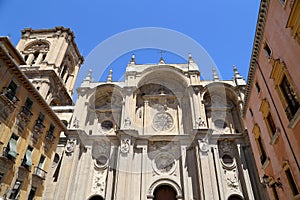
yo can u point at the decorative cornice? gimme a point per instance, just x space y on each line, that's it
261 21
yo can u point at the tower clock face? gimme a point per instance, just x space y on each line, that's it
162 121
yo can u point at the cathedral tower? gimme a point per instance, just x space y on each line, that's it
52 62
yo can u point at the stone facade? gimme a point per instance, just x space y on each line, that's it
162 133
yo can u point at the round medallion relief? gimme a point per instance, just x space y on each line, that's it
162 121
164 163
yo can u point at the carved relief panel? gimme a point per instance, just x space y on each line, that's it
227 152
164 156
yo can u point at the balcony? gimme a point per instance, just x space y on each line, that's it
40 173
8 102
49 140
38 176
24 170
37 131
7 159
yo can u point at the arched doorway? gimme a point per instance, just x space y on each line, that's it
96 197
164 192
235 197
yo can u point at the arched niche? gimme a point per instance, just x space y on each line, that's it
235 197
107 102
168 76
96 197
164 192
36 51
37 45
159 185
162 91
222 108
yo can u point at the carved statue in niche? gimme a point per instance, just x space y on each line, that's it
127 122
203 144
200 123
71 143
125 145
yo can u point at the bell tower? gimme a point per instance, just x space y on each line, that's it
52 62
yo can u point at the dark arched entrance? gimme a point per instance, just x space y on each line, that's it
235 197
164 192
96 197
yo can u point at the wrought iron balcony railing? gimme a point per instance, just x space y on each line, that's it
40 172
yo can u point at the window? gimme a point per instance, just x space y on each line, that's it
257 87
27 161
290 97
11 91
25 57
269 120
15 190
11 149
32 193
44 56
40 119
271 124
36 55
26 109
285 89
41 162
260 145
63 71
282 2
267 50
263 157
251 112
66 80
274 191
291 181
28 103
51 132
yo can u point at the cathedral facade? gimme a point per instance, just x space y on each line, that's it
160 134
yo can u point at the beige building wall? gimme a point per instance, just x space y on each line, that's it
27 140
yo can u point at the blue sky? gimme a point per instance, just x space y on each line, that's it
225 29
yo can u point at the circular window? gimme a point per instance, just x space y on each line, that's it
107 125
220 124
227 160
